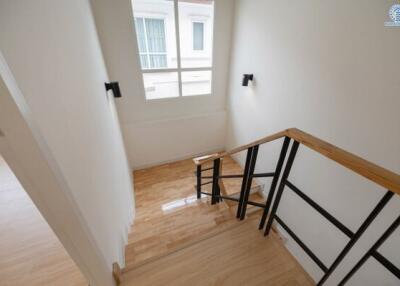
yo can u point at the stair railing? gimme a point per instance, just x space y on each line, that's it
375 173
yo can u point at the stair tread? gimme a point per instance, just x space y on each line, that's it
188 243
216 259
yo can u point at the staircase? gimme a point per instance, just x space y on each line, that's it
237 255
211 238
169 215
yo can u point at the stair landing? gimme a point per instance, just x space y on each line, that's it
168 213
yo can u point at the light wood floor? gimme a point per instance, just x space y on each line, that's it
30 253
168 213
239 256
163 247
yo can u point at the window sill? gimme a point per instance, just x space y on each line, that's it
175 98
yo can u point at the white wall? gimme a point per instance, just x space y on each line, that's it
168 140
116 32
331 69
53 52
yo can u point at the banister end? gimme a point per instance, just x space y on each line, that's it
202 159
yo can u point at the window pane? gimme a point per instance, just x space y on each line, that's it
156 36
140 35
158 61
161 85
144 61
196 83
199 12
198 36
155 33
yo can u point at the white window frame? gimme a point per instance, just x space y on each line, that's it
179 70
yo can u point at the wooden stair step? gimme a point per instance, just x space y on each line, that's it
189 242
236 255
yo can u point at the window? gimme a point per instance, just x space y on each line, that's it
151 42
198 36
170 34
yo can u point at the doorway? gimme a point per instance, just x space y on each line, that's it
30 252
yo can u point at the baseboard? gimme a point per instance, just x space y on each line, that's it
175 159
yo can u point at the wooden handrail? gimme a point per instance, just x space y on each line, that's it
208 158
381 176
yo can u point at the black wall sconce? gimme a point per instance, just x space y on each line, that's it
246 78
114 86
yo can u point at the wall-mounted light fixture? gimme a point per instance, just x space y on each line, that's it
246 78
114 86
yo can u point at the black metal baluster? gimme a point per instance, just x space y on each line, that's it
244 181
277 173
370 252
214 198
218 191
198 186
378 208
249 181
285 175
301 244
